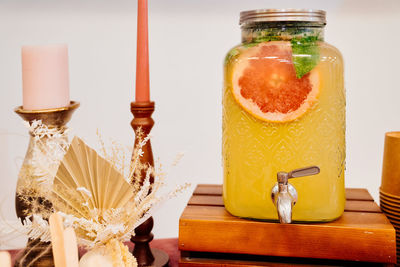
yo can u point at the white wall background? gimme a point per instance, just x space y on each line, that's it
188 41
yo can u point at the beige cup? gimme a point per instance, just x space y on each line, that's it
391 164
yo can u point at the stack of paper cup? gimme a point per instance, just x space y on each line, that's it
389 192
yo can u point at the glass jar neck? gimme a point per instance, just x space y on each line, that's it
256 32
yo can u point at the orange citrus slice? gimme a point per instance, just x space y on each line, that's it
265 83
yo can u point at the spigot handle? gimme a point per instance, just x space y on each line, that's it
312 170
283 177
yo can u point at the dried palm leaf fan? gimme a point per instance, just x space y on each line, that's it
98 202
94 197
97 182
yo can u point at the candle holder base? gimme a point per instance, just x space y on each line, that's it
161 259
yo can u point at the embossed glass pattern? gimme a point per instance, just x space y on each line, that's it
254 149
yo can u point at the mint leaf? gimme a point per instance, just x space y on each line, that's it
262 39
305 54
231 54
248 45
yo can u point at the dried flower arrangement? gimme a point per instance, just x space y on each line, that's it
46 149
104 198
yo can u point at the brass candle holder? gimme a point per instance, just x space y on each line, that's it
145 255
37 253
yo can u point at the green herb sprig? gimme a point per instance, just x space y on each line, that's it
305 54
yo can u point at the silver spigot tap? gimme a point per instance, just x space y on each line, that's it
284 195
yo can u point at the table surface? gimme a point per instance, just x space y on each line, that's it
169 245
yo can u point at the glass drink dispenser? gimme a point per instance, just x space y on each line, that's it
284 110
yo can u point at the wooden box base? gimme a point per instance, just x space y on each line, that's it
204 259
208 234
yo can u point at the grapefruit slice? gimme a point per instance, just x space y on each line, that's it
265 83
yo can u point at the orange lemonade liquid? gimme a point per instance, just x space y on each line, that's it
256 145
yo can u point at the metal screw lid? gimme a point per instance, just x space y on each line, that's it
260 15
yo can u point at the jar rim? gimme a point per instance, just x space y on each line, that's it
285 14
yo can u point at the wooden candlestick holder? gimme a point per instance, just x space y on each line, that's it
144 255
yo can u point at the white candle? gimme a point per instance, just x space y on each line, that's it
5 259
45 77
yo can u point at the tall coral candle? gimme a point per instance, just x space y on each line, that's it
142 56
45 77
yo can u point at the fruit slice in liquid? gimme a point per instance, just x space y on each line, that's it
266 86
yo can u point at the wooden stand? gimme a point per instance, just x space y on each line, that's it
145 256
210 236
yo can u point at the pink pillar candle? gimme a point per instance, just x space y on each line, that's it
45 77
142 56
